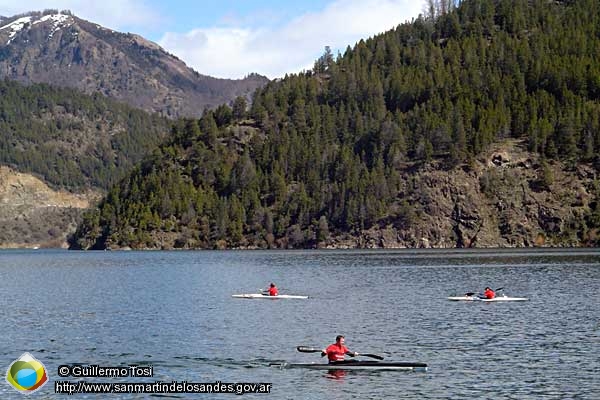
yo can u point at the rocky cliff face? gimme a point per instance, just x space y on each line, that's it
508 199
64 50
33 215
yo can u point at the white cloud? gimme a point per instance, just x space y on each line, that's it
115 14
235 52
234 46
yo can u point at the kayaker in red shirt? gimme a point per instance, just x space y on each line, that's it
489 293
273 290
337 351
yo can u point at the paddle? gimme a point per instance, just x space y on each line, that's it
305 349
267 290
472 293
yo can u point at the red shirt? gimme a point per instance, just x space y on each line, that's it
336 352
489 294
273 291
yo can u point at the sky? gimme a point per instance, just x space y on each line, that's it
233 38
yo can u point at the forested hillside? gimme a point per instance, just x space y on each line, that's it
406 131
72 140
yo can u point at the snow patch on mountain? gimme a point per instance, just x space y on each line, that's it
16 27
58 21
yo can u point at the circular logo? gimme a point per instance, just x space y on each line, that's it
26 374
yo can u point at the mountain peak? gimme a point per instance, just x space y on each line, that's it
58 48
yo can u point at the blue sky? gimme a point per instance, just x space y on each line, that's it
232 38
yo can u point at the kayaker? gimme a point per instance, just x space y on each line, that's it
337 351
273 290
489 293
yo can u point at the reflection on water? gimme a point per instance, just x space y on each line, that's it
336 374
174 310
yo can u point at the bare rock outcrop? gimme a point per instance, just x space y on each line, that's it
34 215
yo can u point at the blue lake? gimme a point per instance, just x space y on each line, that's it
174 311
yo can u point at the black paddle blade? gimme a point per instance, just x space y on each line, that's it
375 356
469 293
306 349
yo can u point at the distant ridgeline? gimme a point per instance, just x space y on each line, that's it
339 149
72 140
60 49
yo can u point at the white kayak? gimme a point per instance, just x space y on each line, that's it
495 299
359 365
266 296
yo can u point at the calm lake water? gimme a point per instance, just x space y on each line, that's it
174 311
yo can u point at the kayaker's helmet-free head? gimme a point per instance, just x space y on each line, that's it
488 288
272 284
339 338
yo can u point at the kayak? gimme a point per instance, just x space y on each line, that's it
266 296
360 365
495 299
